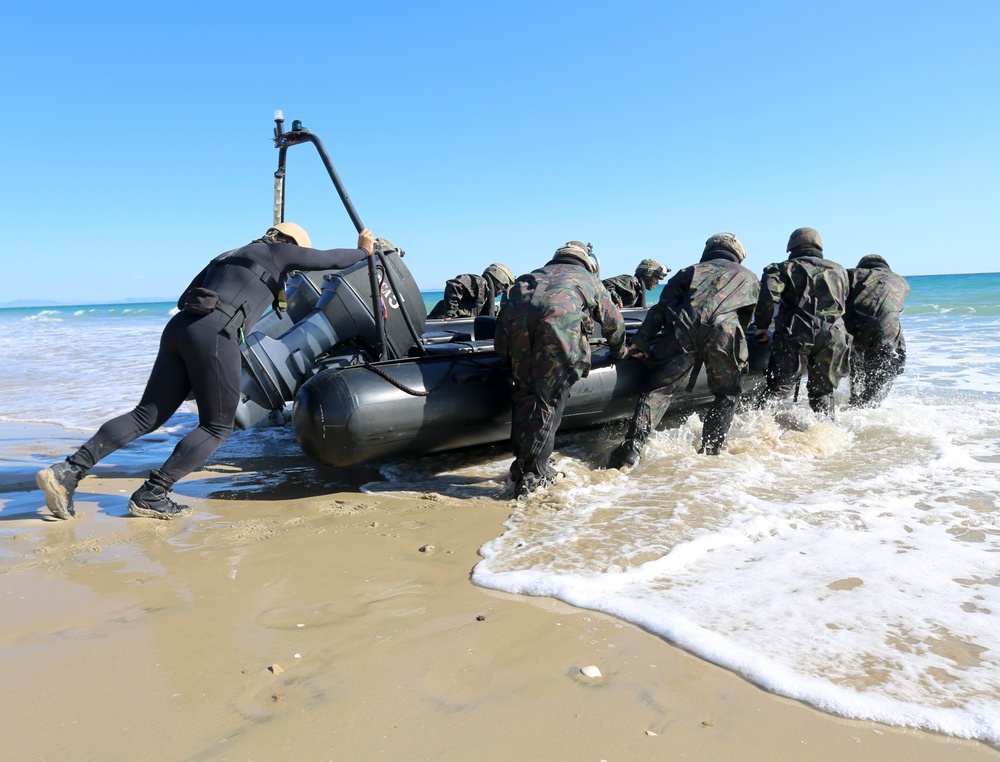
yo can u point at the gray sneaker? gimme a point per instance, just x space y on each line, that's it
59 482
152 501
530 483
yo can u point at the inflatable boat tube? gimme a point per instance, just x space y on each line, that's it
458 396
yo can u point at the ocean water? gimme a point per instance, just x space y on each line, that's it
852 565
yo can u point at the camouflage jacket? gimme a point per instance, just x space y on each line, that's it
806 289
465 296
876 296
716 290
554 310
626 291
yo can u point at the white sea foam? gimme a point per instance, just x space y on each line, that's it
850 565
45 316
76 373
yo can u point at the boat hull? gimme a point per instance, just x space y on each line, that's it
365 413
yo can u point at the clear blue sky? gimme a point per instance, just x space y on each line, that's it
137 141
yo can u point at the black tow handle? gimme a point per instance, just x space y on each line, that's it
297 135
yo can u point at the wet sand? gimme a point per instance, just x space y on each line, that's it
303 619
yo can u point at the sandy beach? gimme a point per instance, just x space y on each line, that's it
309 620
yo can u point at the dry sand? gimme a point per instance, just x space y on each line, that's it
289 626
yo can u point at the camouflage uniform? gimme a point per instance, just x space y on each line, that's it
878 351
542 334
626 291
704 311
465 296
630 290
810 294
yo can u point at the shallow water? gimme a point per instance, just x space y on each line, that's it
851 565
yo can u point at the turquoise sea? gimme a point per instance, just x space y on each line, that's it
850 565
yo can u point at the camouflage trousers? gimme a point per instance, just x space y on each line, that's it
877 356
824 358
541 391
722 350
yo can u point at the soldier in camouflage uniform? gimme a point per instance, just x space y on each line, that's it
810 293
703 311
878 351
542 334
472 295
630 290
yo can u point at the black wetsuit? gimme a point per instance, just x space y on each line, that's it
196 355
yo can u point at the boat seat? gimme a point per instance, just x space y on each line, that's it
458 348
485 327
445 337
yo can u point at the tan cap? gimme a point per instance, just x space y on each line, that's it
293 231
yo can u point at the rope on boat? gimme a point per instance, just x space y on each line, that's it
403 387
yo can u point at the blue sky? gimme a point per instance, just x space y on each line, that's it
138 135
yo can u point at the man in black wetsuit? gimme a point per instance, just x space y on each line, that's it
200 353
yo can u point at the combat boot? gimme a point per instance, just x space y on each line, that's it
824 406
718 420
626 455
59 483
153 501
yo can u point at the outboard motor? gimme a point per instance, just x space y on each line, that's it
302 291
275 368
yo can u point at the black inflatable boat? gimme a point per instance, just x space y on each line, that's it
370 378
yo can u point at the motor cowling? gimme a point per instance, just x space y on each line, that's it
343 318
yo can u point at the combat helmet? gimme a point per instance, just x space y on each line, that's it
871 260
582 252
804 237
293 231
725 242
500 274
651 268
